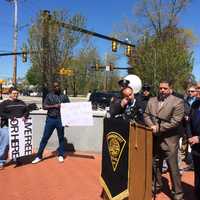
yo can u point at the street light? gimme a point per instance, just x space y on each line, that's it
24 55
114 46
97 66
111 67
128 51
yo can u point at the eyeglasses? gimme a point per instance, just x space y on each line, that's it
191 91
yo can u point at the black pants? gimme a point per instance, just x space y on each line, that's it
196 161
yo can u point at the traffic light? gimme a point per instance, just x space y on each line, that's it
24 55
97 66
111 67
128 50
114 46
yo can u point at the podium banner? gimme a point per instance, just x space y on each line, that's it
114 175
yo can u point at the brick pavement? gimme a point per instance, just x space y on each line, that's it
75 179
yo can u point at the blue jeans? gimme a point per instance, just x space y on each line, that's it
4 141
50 126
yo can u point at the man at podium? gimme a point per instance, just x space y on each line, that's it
126 151
127 107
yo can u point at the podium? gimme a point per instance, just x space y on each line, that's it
126 161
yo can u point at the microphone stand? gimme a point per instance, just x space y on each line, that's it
156 157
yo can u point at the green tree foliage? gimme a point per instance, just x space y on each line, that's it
51 45
54 47
86 77
156 59
162 47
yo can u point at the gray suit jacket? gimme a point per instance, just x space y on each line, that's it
172 110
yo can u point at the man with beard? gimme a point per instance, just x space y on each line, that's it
170 109
52 104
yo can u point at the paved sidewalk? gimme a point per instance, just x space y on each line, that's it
75 179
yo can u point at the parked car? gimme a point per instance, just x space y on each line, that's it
35 94
102 99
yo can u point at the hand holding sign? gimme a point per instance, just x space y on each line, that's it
76 114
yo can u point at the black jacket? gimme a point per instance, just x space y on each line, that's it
194 119
131 113
12 108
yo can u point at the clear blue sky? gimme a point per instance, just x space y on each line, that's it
101 16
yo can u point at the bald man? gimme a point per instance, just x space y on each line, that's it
126 107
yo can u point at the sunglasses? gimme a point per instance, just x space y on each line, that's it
191 91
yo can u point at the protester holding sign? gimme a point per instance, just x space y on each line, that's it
52 103
10 109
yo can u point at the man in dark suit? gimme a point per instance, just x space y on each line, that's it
194 139
169 110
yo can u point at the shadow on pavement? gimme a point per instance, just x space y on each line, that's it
187 189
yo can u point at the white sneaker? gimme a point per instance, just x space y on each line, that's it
60 159
36 160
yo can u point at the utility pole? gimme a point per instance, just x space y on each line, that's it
45 55
15 36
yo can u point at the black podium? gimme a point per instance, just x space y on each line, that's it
126 161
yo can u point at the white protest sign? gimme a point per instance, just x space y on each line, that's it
21 138
76 114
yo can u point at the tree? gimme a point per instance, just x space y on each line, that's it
157 60
162 47
55 47
85 77
52 45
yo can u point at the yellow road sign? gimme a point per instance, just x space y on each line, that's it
66 72
2 81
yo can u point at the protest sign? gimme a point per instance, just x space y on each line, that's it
21 138
76 114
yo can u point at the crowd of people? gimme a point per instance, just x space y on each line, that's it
15 108
171 116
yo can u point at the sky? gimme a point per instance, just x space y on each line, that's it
102 16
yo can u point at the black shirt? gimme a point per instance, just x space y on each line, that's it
12 108
52 99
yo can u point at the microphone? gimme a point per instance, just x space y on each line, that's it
140 111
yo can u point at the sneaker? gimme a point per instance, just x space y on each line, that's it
36 160
60 159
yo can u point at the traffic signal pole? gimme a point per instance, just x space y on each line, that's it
95 34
